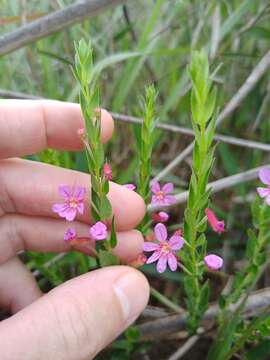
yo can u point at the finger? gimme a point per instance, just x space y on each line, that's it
18 287
19 233
28 126
77 319
31 188
129 245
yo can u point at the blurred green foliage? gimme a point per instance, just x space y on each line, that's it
156 38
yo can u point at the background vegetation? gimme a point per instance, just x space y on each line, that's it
157 38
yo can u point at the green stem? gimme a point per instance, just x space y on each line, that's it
203 147
165 301
184 269
247 333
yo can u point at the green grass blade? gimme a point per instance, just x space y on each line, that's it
132 69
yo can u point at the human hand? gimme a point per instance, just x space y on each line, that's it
80 317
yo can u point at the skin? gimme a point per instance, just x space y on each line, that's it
80 317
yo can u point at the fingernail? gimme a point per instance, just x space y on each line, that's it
132 291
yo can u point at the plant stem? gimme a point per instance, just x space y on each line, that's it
165 301
145 151
203 98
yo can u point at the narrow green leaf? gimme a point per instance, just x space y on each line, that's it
113 237
132 68
106 258
105 207
204 297
224 339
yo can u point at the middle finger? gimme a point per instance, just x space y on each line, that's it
19 233
31 188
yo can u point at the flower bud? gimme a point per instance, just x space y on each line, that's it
107 172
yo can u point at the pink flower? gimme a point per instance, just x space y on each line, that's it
162 216
213 262
178 232
130 186
139 261
161 195
73 202
164 251
70 235
264 192
216 225
81 133
98 231
107 172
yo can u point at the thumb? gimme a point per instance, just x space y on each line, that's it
77 319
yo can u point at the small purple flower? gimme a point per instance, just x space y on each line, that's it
162 216
161 196
164 251
98 231
70 235
264 192
73 197
107 172
130 186
213 262
216 225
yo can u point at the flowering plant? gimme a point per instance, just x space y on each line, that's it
99 170
186 249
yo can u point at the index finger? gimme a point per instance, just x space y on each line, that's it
29 126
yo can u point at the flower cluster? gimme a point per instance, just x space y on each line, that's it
165 251
212 261
74 203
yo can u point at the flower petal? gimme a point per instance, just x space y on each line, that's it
150 246
79 192
217 225
160 232
130 186
168 188
69 214
156 201
169 199
58 208
155 187
220 226
162 263
65 191
264 176
176 242
211 217
263 191
70 234
154 257
172 261
80 208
